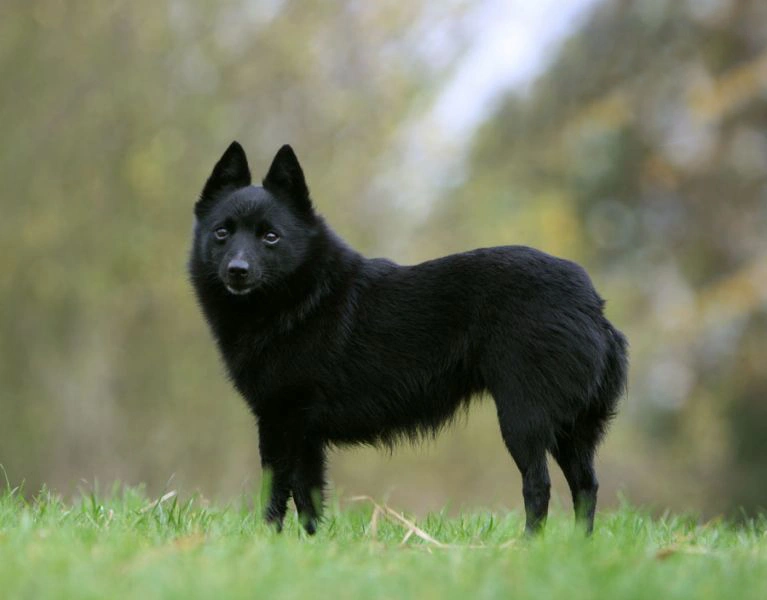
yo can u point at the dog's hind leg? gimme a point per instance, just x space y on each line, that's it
574 451
576 444
309 483
527 440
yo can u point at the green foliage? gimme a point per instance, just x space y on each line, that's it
124 545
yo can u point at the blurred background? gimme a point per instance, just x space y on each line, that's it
630 136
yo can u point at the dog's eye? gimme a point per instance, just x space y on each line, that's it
221 233
271 237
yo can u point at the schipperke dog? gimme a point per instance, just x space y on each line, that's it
331 348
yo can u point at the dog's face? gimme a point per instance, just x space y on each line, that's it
252 238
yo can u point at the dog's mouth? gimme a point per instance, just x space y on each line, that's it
240 281
239 288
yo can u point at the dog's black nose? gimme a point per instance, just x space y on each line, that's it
238 268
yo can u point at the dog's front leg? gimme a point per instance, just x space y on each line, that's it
277 462
308 482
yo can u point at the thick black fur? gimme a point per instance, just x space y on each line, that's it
328 347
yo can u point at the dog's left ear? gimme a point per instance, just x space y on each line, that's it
285 179
230 173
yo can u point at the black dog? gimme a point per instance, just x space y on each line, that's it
329 347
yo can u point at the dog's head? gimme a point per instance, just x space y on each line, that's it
249 237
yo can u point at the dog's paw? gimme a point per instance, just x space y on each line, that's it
310 526
274 522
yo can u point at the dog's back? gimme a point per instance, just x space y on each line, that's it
414 343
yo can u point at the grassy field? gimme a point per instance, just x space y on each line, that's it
125 545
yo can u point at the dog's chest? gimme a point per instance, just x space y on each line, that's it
264 367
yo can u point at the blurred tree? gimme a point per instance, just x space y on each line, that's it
643 152
113 115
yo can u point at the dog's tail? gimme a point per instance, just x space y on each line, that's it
615 375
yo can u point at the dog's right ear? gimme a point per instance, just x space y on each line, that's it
230 173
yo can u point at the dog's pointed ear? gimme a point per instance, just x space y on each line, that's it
230 173
285 179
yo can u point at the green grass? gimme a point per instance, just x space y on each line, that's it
127 546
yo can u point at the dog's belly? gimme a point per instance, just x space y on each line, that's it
411 405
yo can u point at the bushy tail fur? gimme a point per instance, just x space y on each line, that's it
614 378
